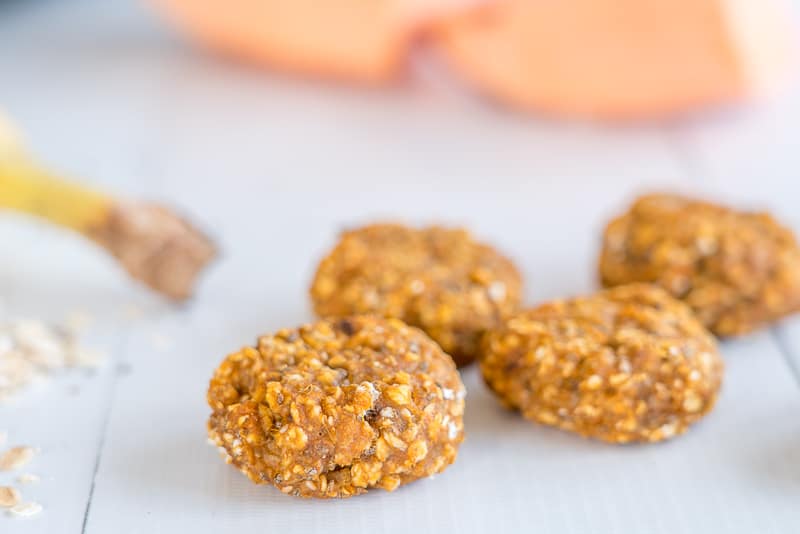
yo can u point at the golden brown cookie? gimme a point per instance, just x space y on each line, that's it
338 407
626 364
737 270
437 279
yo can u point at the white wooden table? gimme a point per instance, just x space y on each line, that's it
275 167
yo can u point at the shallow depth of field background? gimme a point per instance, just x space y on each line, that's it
274 166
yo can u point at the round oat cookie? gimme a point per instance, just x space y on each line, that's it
338 407
437 279
626 364
738 271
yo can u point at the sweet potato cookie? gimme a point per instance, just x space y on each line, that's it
737 270
437 279
338 407
627 364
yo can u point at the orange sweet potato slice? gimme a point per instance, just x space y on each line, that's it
364 40
617 58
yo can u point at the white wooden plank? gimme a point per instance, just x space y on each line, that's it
49 275
65 94
728 473
749 155
226 141
98 72
82 83
289 135
788 336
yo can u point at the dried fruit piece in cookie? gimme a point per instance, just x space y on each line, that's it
737 270
338 407
626 364
437 279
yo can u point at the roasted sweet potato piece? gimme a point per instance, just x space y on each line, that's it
363 40
617 58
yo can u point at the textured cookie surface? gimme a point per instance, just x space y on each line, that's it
627 364
737 270
338 407
437 279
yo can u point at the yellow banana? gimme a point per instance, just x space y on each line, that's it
152 243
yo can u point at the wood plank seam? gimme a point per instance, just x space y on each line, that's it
784 347
101 442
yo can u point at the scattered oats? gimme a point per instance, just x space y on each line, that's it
15 457
387 412
26 509
28 478
31 350
9 497
86 357
448 394
6 343
78 321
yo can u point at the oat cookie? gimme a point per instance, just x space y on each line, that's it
437 279
626 364
338 407
737 270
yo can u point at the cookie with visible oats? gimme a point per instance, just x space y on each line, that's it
737 270
437 279
626 364
336 408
